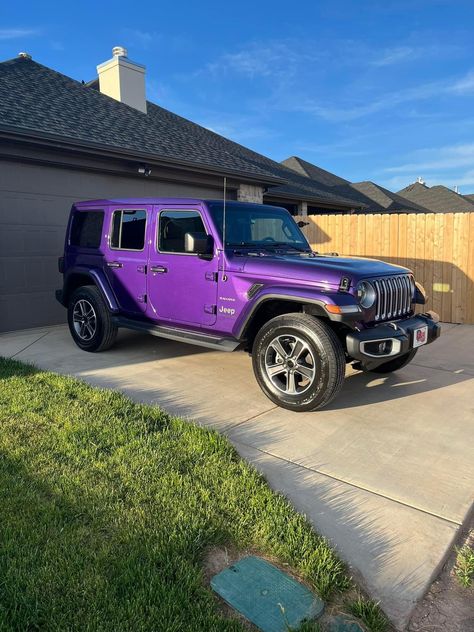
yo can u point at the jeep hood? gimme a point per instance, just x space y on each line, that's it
320 268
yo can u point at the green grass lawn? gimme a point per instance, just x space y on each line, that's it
108 507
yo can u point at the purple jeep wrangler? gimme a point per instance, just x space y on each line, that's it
238 276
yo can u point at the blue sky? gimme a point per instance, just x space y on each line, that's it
371 90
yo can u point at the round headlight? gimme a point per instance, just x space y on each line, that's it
366 294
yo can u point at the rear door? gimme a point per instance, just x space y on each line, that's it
126 256
182 287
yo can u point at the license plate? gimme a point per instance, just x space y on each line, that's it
420 336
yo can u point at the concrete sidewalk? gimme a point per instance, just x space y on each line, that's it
385 472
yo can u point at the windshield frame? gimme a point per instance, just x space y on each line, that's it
215 208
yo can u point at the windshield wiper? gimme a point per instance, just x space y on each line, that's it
244 244
269 245
284 244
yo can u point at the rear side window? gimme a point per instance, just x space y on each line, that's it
86 229
173 227
128 230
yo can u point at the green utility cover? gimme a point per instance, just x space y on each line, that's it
266 596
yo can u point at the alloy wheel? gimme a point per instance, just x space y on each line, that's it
290 364
84 320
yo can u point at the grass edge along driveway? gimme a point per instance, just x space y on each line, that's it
107 508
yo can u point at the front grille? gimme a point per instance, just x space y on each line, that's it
394 296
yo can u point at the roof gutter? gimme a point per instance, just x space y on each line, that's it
60 142
319 200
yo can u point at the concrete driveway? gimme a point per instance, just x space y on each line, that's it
386 472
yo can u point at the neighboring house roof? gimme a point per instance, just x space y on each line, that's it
374 197
313 171
385 199
437 199
470 197
35 99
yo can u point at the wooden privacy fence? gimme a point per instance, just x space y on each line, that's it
438 247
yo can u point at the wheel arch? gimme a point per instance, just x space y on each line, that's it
270 306
78 277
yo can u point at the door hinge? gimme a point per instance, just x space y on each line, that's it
211 276
210 309
141 269
142 298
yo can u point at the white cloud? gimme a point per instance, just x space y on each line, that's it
396 55
462 87
451 165
434 159
463 179
409 53
17 33
240 131
273 59
143 39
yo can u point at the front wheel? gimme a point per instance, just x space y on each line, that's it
89 320
298 362
395 364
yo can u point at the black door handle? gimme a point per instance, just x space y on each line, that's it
159 269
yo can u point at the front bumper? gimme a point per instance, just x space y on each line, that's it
398 335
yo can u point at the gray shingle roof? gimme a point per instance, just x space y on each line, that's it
470 197
376 198
313 171
385 199
437 199
34 98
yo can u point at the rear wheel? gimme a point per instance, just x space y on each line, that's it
298 362
395 364
90 322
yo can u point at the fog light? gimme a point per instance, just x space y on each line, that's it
385 347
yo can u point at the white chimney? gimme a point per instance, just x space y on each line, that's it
123 80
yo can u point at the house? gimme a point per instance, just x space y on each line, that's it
62 140
372 197
437 199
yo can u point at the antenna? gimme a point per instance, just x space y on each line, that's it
224 277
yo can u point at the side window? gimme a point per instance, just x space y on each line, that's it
86 229
128 230
173 227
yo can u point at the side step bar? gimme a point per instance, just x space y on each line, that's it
181 335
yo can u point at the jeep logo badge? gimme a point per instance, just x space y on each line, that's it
227 311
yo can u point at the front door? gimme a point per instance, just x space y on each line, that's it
182 287
126 259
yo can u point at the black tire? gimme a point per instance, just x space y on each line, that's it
100 333
325 354
395 364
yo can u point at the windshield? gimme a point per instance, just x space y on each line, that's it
258 226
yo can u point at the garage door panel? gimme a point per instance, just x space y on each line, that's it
23 274
34 241
33 309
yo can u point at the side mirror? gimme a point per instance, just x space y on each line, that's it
199 244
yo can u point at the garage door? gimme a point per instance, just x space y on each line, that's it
34 208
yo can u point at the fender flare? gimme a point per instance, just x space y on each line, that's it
98 279
317 303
